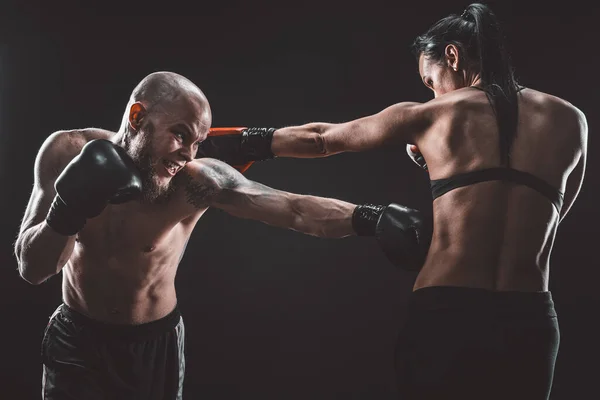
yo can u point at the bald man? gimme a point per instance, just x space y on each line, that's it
113 212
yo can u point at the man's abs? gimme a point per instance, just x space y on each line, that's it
123 266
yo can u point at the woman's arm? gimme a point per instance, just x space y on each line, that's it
400 123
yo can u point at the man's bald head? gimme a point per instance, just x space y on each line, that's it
163 92
167 116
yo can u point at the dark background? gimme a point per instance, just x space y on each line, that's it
270 313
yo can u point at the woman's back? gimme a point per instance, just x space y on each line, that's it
498 234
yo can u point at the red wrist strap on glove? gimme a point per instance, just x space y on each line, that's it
231 131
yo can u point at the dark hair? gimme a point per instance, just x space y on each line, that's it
478 35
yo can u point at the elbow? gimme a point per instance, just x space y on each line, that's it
331 139
320 145
35 266
30 277
33 282
319 141
33 274
23 266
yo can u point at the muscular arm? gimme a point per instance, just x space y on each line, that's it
41 252
400 123
575 179
214 183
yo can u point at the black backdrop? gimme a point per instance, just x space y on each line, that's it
270 313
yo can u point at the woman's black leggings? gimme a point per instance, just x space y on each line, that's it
464 343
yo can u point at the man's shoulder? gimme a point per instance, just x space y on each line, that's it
201 181
203 169
62 146
70 142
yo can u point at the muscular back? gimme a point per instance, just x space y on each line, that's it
499 235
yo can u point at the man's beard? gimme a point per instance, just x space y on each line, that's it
152 191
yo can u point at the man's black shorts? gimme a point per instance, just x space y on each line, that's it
85 359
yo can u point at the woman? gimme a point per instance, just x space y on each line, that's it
506 164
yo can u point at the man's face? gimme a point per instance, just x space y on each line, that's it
166 141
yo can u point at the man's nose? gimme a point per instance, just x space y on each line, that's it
187 153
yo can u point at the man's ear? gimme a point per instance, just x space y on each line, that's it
452 56
137 113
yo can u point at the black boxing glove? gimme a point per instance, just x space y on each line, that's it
238 146
102 173
404 234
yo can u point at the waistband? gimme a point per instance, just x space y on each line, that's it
476 299
154 328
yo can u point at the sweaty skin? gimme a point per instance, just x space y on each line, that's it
493 235
120 268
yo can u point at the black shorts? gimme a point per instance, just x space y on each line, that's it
464 343
85 359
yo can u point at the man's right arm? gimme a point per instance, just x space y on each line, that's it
404 234
213 183
40 251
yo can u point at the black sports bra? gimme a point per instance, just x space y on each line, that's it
443 186
440 187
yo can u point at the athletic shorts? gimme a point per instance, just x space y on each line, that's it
85 359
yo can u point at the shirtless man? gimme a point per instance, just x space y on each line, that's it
506 164
113 212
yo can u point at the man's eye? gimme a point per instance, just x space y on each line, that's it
178 135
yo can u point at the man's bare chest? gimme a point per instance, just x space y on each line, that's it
123 229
